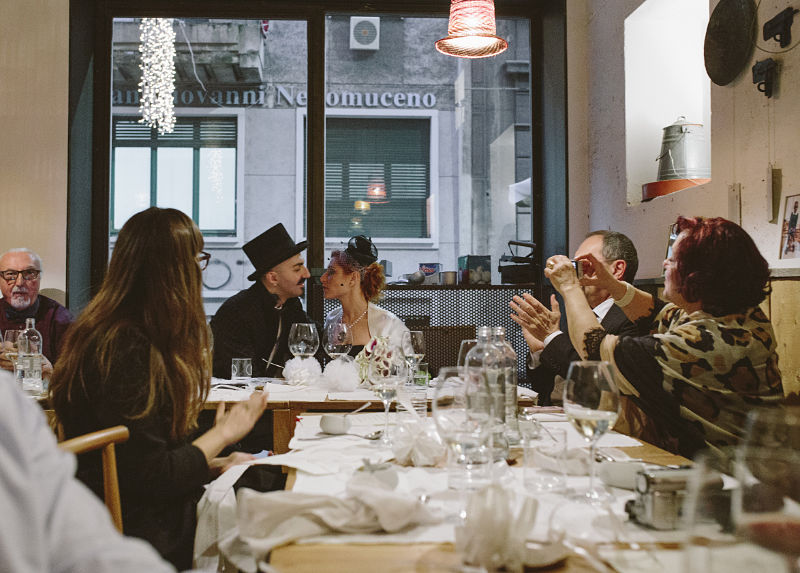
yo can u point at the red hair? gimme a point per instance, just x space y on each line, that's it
719 265
372 278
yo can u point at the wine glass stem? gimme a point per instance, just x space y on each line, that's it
385 437
592 467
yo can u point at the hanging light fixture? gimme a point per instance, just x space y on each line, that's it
471 31
157 87
376 191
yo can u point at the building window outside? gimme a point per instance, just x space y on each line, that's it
192 169
378 177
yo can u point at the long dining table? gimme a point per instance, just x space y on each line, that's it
347 554
288 402
428 557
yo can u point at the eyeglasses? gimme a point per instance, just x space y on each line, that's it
202 260
10 276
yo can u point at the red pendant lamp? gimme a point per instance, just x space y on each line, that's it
471 32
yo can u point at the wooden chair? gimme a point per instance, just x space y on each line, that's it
104 439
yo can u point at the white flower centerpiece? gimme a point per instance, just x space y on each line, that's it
375 359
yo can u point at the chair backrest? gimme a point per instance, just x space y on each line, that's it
442 344
105 440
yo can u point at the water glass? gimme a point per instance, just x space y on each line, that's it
416 397
544 454
421 375
241 369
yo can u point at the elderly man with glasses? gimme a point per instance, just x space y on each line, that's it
20 276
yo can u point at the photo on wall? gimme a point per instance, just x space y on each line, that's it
790 238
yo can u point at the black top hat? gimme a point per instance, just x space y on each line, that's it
270 248
361 249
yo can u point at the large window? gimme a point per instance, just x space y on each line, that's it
192 169
378 177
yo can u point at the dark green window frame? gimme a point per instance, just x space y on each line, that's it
196 132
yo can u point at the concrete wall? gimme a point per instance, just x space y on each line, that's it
748 132
33 112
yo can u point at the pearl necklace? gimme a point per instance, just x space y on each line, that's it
356 321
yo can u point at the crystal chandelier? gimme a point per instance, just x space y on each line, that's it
157 46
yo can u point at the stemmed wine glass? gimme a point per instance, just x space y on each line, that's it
766 505
337 339
463 350
463 427
303 339
414 349
9 345
386 376
591 403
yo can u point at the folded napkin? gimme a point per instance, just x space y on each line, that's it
416 442
269 520
574 462
341 376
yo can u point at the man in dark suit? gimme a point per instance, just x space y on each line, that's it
550 349
255 323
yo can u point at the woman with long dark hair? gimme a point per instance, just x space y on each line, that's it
140 355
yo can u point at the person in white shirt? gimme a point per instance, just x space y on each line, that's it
355 278
551 351
51 521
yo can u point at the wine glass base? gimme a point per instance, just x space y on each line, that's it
597 496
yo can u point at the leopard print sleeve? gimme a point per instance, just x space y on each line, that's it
591 341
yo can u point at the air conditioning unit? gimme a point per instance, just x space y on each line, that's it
365 33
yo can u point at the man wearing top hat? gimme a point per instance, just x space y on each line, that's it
255 323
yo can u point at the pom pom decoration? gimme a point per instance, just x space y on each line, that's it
302 372
341 376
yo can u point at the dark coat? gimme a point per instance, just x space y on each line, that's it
246 325
160 478
559 353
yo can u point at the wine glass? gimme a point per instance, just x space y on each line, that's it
463 427
414 349
463 350
337 339
773 428
766 506
9 345
386 376
303 339
591 403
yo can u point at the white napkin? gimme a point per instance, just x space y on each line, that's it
416 442
322 459
575 462
269 520
341 376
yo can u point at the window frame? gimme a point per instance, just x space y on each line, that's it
237 239
432 115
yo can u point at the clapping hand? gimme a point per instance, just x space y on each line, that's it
237 422
536 320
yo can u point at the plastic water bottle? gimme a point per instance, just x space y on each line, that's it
29 348
509 367
484 365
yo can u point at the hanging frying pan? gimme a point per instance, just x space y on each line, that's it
729 39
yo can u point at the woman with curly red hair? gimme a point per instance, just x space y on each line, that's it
355 279
704 358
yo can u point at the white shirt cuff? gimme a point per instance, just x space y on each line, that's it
550 337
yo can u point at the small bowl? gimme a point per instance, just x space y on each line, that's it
334 424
